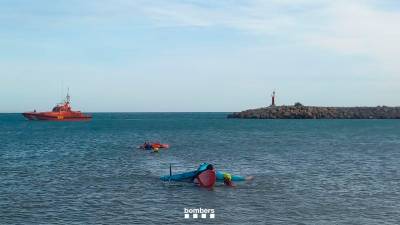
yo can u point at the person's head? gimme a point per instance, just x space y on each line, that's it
210 167
227 177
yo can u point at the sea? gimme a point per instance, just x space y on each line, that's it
305 171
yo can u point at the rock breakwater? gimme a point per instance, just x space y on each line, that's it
315 112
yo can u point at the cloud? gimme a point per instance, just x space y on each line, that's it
359 27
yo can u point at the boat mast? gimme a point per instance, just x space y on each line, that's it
68 97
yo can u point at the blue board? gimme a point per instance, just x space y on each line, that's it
188 176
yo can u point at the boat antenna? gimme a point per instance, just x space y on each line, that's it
68 97
61 90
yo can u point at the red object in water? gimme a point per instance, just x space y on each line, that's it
61 112
154 145
207 178
159 145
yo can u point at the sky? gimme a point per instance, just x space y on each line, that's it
198 55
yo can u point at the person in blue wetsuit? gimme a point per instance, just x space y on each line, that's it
228 178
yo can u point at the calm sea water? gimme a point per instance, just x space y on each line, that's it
306 171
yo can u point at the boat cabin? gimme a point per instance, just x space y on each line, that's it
62 108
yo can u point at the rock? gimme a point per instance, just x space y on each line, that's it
298 104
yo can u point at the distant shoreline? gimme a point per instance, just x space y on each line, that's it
318 112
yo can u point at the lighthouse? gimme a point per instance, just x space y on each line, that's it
273 99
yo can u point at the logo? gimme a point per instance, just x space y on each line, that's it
199 213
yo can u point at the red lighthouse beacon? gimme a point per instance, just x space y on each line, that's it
273 99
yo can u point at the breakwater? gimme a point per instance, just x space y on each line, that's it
317 112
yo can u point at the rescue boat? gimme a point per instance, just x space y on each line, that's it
61 112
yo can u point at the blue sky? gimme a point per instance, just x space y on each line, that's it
198 55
